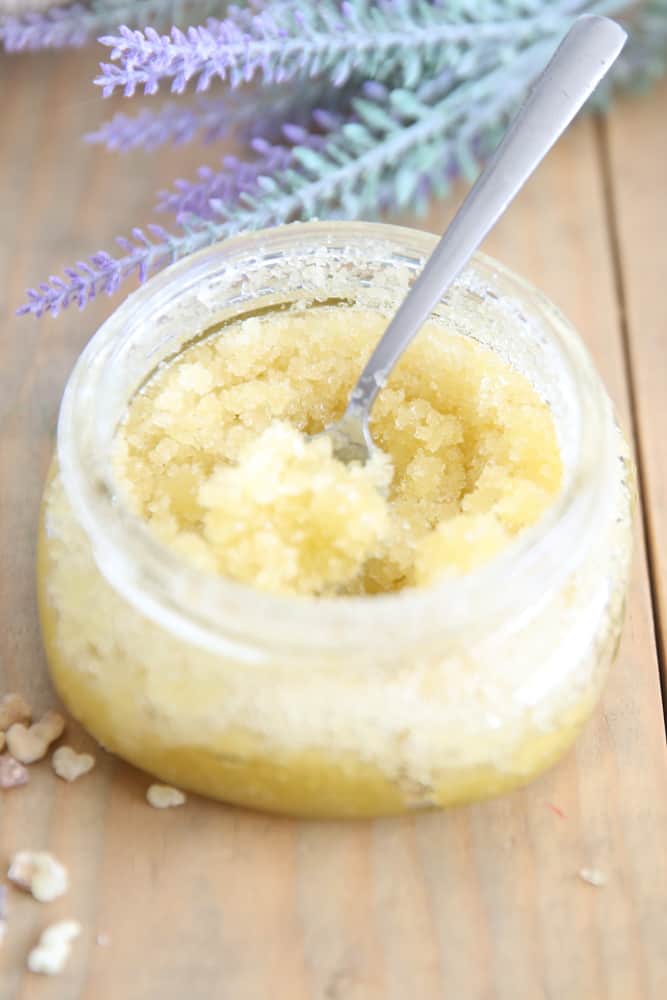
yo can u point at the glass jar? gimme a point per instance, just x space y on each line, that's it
353 706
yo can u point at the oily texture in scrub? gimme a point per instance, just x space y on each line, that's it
213 455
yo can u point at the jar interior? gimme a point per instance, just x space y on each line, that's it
371 274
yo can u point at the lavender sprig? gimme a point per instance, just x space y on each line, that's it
75 25
54 28
428 111
173 123
226 186
239 177
250 115
103 273
292 41
353 173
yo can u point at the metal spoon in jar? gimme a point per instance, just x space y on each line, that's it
584 56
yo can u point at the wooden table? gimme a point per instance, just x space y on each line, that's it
479 903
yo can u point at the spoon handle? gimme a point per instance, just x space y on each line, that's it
579 63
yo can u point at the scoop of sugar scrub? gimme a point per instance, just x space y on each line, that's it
291 517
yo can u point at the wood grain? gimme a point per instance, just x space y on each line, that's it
638 194
479 903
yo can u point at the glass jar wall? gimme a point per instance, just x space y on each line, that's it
335 706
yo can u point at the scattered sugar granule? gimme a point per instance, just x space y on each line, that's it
31 743
50 955
70 765
593 876
164 797
12 773
13 708
39 873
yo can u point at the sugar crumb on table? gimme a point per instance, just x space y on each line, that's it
49 957
39 873
164 797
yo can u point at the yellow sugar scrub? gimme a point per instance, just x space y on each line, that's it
213 455
228 607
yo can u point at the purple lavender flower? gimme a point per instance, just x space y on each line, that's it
104 273
388 152
256 115
57 27
173 123
402 96
73 26
289 41
225 187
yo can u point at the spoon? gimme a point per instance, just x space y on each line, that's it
581 60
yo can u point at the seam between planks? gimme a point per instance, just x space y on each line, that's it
604 160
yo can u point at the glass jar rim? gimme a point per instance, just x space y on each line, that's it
227 616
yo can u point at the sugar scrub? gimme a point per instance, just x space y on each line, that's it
213 455
232 611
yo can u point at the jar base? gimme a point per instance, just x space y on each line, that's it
308 785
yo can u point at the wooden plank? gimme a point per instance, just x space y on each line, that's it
481 903
638 191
